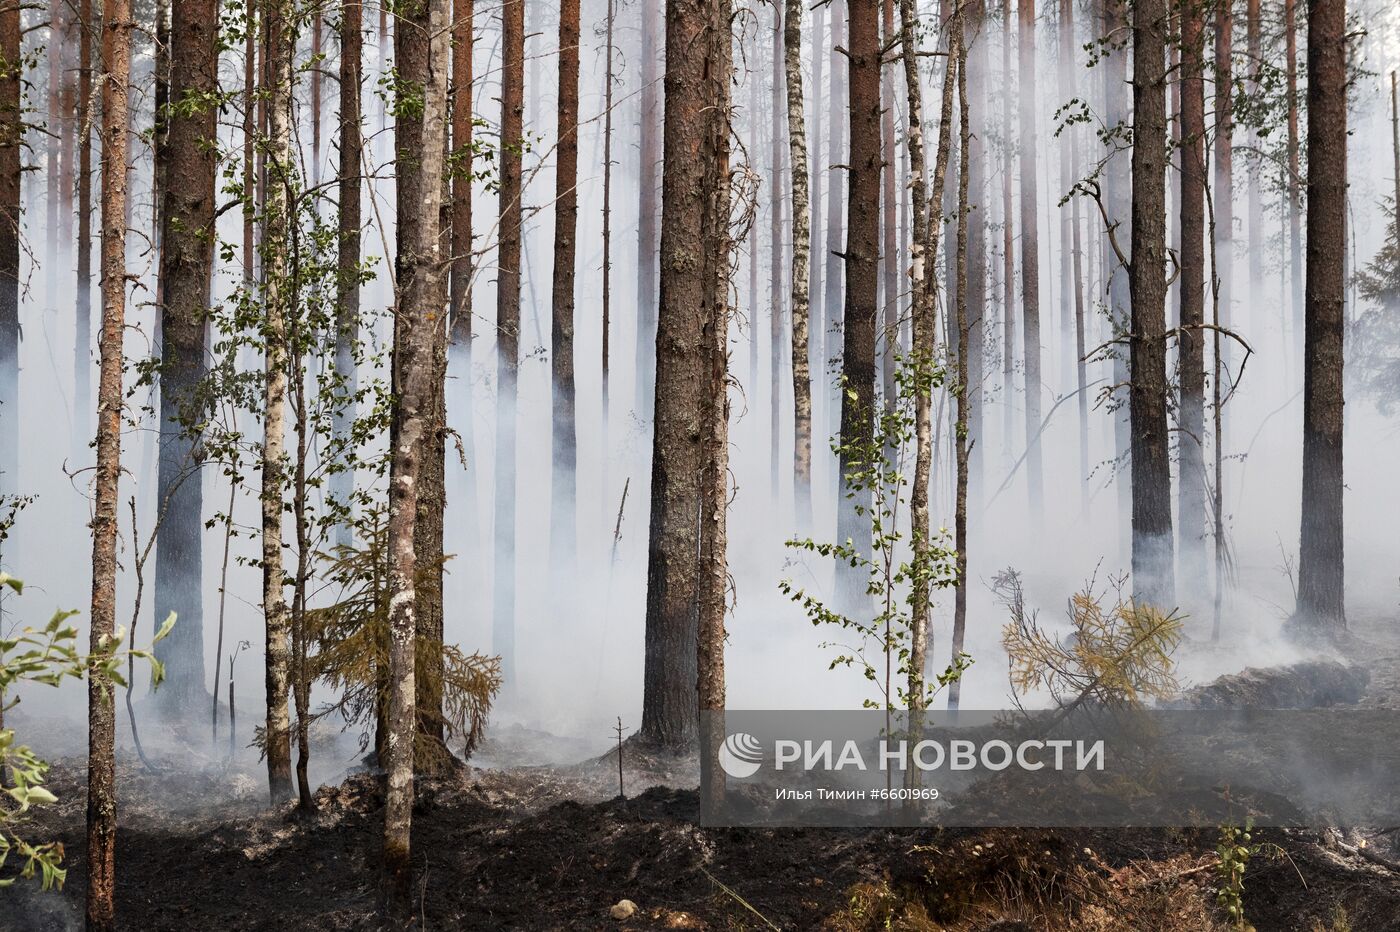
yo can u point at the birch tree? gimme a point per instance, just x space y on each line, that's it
421 45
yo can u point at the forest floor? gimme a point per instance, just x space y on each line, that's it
554 847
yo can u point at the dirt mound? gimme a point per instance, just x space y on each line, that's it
1308 685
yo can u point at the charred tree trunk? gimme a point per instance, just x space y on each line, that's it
708 69
1191 483
801 279
648 206
508 326
347 324
1153 580
1030 250
564 530
11 147
421 45
685 574
281 44
102 791
861 266
186 264
1321 599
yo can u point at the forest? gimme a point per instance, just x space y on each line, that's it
436 438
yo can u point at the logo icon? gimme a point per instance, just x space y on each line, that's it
741 755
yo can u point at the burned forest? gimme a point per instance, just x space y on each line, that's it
700 464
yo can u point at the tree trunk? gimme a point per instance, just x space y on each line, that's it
11 146
1030 250
708 71
960 433
1117 193
833 325
1395 143
1223 194
1294 180
1064 33
564 530
685 575
755 121
817 312
861 266
1254 50
186 264
1151 456
776 229
508 327
67 105
1072 270
160 130
347 329
889 225
421 44
647 203
102 791
462 270
251 127
281 44
1321 600
607 242
924 286
801 280
316 25
82 339
1191 483
53 54
975 50
1008 252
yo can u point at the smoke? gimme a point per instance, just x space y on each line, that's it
579 640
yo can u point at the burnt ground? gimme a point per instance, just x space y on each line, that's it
553 848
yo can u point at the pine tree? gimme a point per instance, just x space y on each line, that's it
564 524
102 799
1152 556
1321 599
186 264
